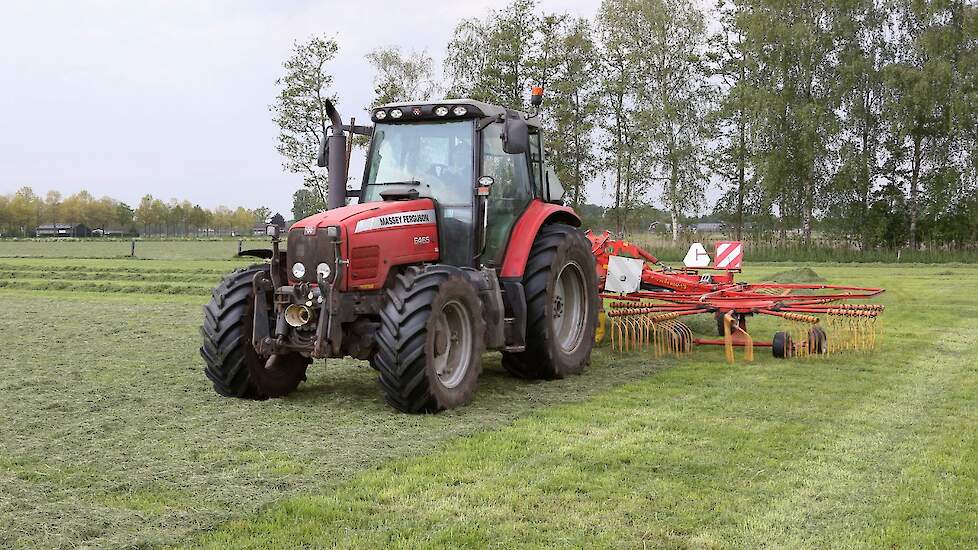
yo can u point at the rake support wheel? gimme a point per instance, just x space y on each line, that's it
818 341
782 346
231 362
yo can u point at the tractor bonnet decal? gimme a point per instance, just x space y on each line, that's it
413 217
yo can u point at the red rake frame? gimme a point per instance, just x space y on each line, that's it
653 317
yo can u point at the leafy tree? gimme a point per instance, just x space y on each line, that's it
673 98
145 214
124 215
242 220
262 213
618 84
5 218
52 207
861 32
794 46
734 119
300 110
401 77
305 203
24 210
495 59
571 108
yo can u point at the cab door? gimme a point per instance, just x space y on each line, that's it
510 194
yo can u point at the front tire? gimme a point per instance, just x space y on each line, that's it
561 288
231 362
430 341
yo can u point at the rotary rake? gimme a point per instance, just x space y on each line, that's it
815 319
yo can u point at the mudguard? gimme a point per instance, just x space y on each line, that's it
525 231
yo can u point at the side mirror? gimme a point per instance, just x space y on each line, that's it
323 152
516 134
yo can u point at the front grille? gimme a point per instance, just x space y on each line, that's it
364 262
311 250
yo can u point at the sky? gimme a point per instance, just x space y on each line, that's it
170 98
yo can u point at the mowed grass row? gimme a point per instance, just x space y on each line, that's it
849 451
149 249
115 276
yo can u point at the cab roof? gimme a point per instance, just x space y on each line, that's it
481 108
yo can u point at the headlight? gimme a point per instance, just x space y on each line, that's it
380 114
441 111
396 113
323 270
298 270
459 110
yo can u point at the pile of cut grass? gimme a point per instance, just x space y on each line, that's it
796 276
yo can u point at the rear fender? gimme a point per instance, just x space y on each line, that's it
521 239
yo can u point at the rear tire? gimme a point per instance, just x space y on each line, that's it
231 362
560 282
430 342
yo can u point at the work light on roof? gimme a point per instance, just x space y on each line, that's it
396 113
459 110
441 110
380 114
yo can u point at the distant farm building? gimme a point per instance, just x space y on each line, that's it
708 227
62 230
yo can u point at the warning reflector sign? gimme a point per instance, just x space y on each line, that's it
730 254
697 256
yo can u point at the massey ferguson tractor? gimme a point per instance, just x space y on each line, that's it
458 243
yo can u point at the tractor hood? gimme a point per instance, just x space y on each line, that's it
358 218
375 237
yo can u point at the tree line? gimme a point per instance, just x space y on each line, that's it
854 118
23 211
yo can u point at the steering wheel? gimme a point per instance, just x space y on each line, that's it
438 169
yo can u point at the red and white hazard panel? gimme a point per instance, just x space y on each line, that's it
730 254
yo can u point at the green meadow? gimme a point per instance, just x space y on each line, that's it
112 437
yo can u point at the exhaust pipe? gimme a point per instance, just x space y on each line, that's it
332 156
297 315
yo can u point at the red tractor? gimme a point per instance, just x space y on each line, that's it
458 243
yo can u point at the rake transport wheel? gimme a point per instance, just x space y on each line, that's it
562 305
782 346
231 362
430 342
818 341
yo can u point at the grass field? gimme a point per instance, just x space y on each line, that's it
110 248
112 437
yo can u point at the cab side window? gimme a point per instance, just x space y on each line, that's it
510 193
536 160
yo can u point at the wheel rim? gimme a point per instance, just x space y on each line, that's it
453 342
570 307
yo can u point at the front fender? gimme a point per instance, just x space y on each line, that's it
525 231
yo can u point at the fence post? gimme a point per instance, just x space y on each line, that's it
132 248
240 241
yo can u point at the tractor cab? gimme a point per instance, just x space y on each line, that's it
474 160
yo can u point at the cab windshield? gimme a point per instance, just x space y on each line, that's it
436 155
